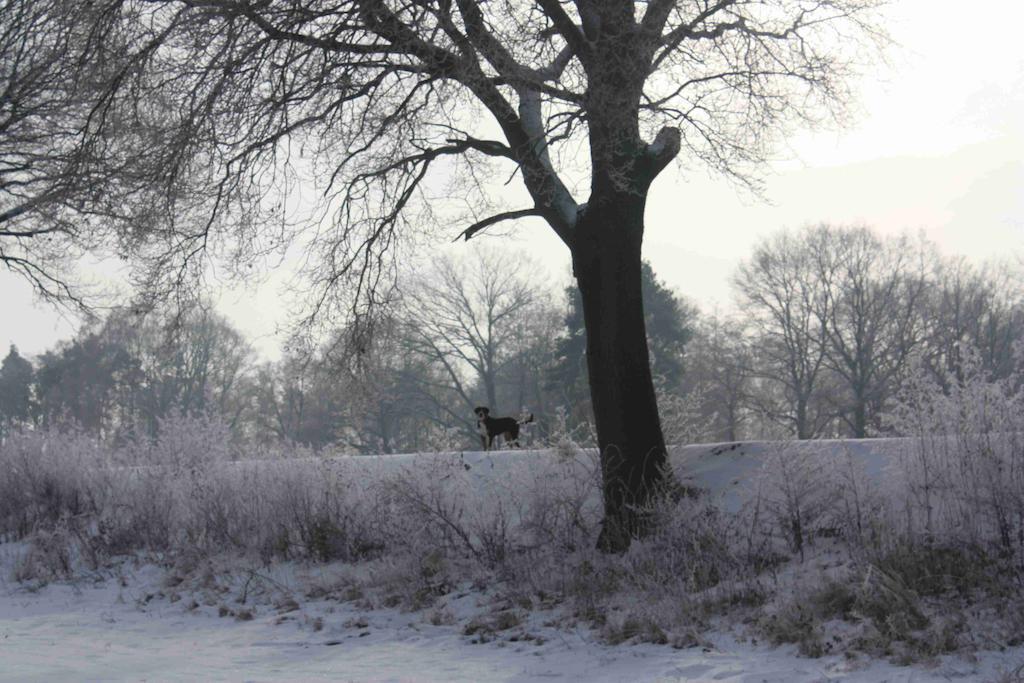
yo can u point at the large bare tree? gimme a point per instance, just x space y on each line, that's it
876 290
784 290
585 102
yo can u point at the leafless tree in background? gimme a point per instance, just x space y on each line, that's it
298 402
527 384
876 290
191 364
785 292
400 391
470 317
215 111
127 374
971 307
393 397
719 368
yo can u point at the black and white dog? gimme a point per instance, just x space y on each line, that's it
491 427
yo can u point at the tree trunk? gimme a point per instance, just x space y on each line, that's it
607 263
802 432
860 416
490 390
730 422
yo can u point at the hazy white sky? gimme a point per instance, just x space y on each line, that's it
938 147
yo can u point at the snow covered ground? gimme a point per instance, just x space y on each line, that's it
110 632
132 626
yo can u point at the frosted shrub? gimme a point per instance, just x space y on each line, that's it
181 441
289 509
433 499
693 548
45 477
792 495
564 509
961 478
530 527
566 441
440 439
49 557
350 517
489 518
948 510
167 481
854 501
183 494
683 420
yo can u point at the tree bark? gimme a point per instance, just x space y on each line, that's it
802 431
860 416
607 266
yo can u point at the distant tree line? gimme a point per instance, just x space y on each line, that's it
828 321
831 321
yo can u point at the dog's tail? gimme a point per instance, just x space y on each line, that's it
527 420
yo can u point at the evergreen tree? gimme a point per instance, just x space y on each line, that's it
669 320
16 377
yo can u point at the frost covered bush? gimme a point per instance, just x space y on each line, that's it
189 490
934 536
563 508
683 417
182 491
791 495
692 549
181 442
45 477
540 504
959 482
565 440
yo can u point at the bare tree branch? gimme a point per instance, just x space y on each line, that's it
497 218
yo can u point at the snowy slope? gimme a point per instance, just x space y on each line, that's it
724 470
